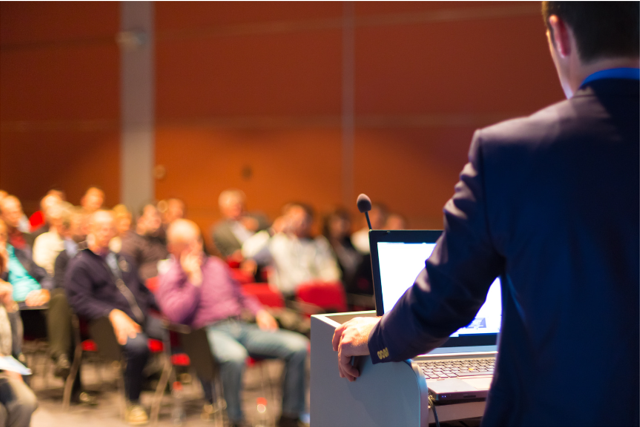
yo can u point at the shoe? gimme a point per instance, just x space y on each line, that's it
208 412
286 421
63 367
84 398
136 415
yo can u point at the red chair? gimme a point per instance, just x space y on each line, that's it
241 276
327 296
263 292
152 284
109 350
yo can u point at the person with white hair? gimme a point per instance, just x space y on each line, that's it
102 284
199 291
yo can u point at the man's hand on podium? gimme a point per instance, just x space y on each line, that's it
351 339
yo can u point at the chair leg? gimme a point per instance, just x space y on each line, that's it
162 385
219 401
118 367
68 385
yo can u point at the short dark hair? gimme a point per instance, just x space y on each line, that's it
308 209
603 29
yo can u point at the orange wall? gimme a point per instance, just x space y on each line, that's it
249 95
59 99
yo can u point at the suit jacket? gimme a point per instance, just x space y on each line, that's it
550 203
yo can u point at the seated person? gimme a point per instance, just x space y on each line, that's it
236 227
59 315
49 244
355 267
198 290
296 255
17 400
396 221
11 213
171 209
123 227
378 217
31 283
38 221
101 284
147 245
92 200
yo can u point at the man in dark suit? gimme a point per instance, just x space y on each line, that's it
549 203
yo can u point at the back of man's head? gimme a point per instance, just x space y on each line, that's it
602 29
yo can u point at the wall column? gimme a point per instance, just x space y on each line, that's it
137 90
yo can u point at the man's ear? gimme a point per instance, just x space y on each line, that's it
560 37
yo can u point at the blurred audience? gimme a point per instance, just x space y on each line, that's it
90 261
102 284
59 315
49 244
237 226
336 228
199 291
11 213
378 217
39 218
31 283
92 200
17 400
296 255
355 267
396 221
123 227
147 246
74 237
171 209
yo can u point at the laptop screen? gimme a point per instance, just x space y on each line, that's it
399 258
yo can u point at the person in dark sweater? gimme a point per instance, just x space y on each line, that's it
101 284
59 315
147 245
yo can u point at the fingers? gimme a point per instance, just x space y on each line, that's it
337 335
347 370
121 337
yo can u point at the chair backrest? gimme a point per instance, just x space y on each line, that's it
267 296
102 333
152 284
329 296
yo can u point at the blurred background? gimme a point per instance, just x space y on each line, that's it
309 101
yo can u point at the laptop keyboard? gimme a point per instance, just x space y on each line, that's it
452 368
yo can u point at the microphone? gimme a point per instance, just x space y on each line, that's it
364 206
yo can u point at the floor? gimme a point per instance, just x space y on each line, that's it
101 380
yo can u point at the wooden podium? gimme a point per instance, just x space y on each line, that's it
385 395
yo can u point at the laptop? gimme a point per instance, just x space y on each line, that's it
462 368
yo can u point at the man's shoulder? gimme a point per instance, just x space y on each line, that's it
214 263
577 116
526 127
